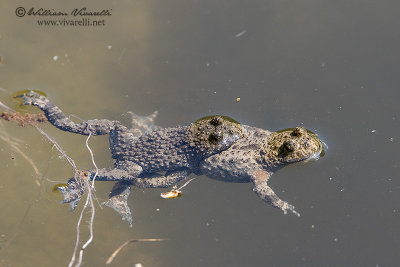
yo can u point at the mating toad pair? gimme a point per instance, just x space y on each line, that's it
217 146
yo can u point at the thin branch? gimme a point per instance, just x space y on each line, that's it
185 184
89 200
6 107
77 232
58 147
14 145
92 157
77 175
111 258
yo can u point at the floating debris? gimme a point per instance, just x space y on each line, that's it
115 253
175 192
240 34
238 99
23 119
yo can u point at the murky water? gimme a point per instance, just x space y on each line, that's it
331 66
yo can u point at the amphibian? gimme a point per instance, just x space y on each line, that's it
143 151
216 146
258 155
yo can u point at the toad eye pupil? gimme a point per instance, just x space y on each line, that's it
289 146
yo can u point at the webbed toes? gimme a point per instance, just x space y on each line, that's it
143 124
287 207
118 200
31 98
72 193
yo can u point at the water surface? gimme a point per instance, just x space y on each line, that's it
330 66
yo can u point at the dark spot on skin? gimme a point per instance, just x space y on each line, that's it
214 138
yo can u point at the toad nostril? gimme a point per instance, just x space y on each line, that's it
216 121
297 132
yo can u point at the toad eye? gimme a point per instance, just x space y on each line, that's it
289 146
286 148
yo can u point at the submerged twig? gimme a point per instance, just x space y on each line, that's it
14 145
89 202
6 107
185 184
92 157
58 147
13 142
111 258
78 226
33 120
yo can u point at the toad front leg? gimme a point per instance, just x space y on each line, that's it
260 186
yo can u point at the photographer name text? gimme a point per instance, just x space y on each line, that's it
75 12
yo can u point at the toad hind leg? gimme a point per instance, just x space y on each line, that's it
120 192
56 117
260 186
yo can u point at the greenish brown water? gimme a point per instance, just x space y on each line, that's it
330 66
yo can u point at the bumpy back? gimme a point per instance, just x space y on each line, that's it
172 148
213 134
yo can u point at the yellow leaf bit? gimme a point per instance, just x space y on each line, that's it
175 192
